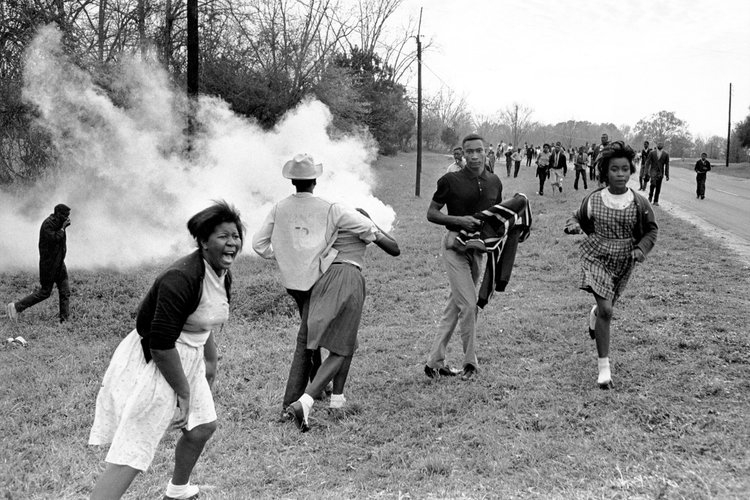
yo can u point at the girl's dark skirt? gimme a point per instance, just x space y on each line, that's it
335 309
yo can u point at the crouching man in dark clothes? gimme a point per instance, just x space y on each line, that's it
52 270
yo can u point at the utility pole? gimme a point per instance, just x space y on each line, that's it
192 69
192 48
419 104
729 123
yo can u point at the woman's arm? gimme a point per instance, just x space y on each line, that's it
387 243
169 364
383 239
175 299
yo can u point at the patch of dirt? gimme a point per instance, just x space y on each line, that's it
739 246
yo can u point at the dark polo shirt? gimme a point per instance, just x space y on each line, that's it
464 193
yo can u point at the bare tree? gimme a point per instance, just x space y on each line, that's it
518 118
290 40
568 130
489 128
449 108
373 15
371 34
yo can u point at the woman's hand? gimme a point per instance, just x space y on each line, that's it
211 367
183 407
169 364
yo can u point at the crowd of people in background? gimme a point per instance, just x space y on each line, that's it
553 160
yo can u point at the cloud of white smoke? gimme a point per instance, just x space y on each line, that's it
129 184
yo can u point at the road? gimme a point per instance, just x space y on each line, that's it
727 203
726 206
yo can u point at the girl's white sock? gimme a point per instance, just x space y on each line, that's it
307 403
604 374
337 401
182 491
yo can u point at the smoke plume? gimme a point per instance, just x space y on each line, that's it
124 173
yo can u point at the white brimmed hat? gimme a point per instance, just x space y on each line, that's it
302 166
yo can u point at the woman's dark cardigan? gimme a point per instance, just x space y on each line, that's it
173 297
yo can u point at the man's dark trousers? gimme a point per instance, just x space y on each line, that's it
655 189
305 362
60 278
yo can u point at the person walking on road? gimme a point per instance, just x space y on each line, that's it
643 175
701 167
658 169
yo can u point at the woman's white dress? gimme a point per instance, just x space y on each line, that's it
135 404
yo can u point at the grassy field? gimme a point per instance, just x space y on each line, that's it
533 424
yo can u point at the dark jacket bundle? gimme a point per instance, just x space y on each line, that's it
503 226
173 297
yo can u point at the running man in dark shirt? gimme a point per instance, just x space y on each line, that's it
464 193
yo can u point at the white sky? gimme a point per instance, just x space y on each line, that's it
598 60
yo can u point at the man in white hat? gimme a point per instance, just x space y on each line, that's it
299 232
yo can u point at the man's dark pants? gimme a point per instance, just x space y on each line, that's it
305 362
63 289
582 175
700 180
655 189
542 174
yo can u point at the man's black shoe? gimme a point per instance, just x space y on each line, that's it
431 372
469 372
